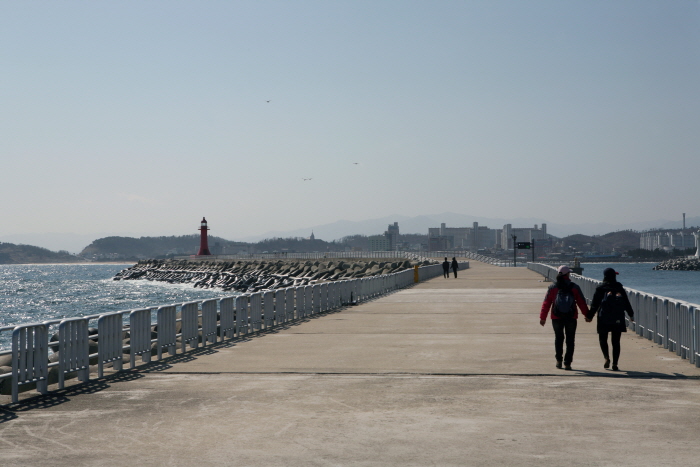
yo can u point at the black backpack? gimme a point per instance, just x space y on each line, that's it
565 303
612 309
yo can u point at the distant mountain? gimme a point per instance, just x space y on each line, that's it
75 243
27 254
71 242
561 230
130 248
623 240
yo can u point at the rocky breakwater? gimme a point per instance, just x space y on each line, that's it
242 276
679 264
255 275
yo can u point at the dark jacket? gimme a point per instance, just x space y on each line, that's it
455 266
600 292
548 303
445 265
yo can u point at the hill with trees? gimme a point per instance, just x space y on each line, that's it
28 254
134 249
620 241
130 248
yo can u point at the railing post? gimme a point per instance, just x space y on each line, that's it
167 332
110 347
227 318
30 358
73 349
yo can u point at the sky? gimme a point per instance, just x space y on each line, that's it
140 117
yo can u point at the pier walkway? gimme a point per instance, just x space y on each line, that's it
449 372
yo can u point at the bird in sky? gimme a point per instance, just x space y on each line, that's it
356 163
305 179
267 102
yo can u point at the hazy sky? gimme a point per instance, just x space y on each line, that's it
141 117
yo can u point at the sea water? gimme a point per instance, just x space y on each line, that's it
35 293
679 285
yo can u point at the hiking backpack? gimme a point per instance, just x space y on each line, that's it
565 303
612 309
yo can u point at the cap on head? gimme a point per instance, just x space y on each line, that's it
610 272
563 270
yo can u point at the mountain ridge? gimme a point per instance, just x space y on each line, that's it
75 243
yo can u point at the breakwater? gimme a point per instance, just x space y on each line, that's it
254 275
679 264
131 335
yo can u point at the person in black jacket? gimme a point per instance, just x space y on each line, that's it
610 301
455 266
446 268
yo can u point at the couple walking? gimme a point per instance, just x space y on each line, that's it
564 299
446 267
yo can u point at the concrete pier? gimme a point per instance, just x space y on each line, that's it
450 372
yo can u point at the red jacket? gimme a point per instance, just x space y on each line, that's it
548 303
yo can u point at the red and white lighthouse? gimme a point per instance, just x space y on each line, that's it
203 242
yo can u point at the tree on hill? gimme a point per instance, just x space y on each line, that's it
620 241
293 244
152 247
23 254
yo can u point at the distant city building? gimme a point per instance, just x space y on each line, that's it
388 241
379 243
478 237
666 240
471 238
522 234
393 233
439 243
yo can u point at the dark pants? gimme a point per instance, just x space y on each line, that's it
455 272
615 340
564 329
446 272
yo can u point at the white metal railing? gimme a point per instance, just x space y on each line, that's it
110 347
414 255
209 321
228 317
167 329
140 336
30 357
674 324
189 332
73 349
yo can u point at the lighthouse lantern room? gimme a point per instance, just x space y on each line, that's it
203 241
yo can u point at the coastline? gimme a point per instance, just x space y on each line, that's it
81 263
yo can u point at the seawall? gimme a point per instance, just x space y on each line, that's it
255 275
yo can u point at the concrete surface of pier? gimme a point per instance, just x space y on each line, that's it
448 372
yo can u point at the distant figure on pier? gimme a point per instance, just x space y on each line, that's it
561 302
610 301
455 266
446 268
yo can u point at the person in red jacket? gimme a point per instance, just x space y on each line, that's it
562 302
